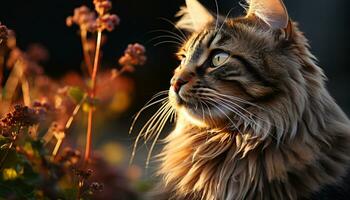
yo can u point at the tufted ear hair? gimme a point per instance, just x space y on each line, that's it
194 16
272 12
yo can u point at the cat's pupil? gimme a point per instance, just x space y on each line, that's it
219 59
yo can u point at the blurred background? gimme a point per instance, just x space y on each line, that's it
325 23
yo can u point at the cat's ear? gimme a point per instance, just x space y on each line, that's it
194 16
272 12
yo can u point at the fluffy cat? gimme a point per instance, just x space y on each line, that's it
254 119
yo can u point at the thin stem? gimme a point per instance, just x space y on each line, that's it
25 91
58 144
68 124
3 159
75 112
87 57
92 96
2 61
80 186
11 85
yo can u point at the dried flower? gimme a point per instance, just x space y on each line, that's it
107 22
3 32
96 187
133 56
11 39
84 18
37 52
25 62
70 156
15 55
102 6
21 117
83 174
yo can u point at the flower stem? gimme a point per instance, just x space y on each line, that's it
86 53
68 124
92 96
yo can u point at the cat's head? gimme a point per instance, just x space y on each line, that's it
234 71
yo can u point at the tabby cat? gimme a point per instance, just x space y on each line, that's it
254 118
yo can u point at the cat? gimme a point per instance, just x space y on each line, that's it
254 118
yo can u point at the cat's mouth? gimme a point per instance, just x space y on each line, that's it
202 113
179 100
190 108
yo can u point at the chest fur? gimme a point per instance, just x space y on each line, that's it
218 165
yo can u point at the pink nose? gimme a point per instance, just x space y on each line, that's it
178 84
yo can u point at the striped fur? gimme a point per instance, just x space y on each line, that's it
262 126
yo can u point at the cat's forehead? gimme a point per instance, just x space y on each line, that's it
234 36
198 47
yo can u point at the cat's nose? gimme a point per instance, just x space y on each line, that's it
178 83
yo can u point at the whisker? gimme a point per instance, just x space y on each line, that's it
151 121
210 114
227 102
168 41
250 120
223 23
236 105
233 109
166 36
242 101
147 105
209 90
139 137
217 14
233 124
169 32
158 131
172 23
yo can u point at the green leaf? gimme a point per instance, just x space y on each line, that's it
70 194
4 140
76 94
5 146
143 185
12 158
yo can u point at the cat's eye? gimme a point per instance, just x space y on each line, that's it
220 59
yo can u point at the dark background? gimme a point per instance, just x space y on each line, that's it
325 23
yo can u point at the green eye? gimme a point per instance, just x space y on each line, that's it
220 59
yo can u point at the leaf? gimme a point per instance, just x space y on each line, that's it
4 140
76 94
9 174
90 103
143 186
5 146
12 158
70 193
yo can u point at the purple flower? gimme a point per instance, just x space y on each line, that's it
134 55
108 22
83 17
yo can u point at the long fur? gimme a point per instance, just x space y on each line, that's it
299 143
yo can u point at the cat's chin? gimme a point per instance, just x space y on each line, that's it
194 113
192 117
